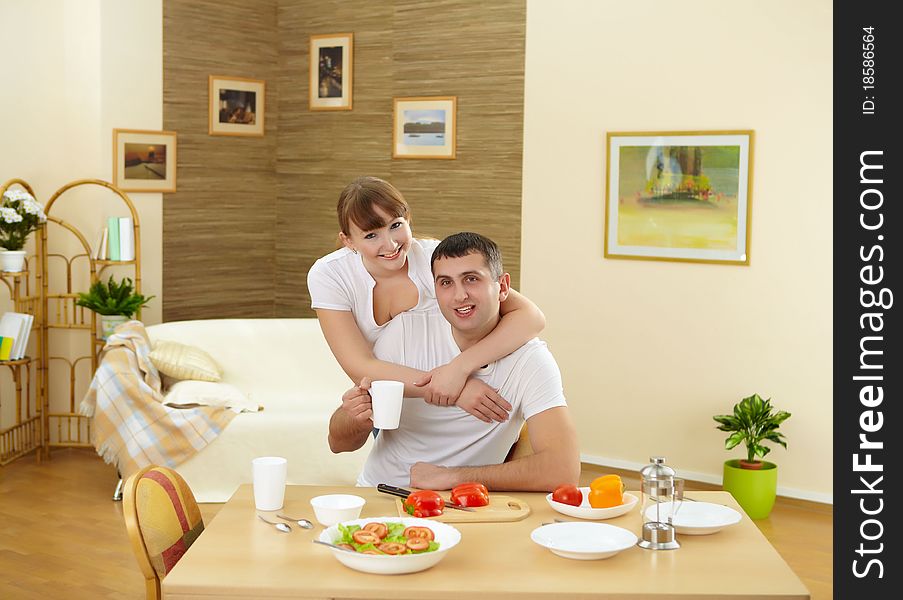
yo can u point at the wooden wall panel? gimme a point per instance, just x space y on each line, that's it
219 227
253 214
472 50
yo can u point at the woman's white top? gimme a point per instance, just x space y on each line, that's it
339 281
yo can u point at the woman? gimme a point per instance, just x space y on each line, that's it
382 271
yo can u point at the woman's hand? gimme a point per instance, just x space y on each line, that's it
443 384
483 402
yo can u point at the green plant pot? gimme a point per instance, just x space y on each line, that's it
755 490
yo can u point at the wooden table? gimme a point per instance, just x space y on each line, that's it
238 556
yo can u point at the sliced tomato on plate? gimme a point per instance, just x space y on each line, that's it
362 536
380 529
415 531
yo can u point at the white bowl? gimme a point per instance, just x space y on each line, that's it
585 511
334 508
446 535
583 541
697 518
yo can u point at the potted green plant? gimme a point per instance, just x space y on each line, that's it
752 482
114 301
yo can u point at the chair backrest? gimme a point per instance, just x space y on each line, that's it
162 519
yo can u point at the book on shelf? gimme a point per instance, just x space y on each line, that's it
104 254
15 329
113 237
120 240
126 239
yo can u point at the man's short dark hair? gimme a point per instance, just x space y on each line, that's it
467 242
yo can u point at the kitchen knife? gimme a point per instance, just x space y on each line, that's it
403 493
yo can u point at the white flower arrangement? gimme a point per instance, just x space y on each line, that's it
20 214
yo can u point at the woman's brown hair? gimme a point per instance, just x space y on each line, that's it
357 200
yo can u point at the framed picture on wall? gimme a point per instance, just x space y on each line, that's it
236 106
679 196
144 161
331 66
424 127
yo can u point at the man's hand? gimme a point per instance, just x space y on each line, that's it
357 404
432 477
443 384
483 402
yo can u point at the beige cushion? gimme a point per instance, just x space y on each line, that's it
182 361
209 393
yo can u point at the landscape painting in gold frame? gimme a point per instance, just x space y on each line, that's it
144 161
425 127
679 196
331 69
236 106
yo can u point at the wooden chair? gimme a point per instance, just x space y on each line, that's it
162 519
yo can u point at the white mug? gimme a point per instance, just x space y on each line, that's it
386 397
269 481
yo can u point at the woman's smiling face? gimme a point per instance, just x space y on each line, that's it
384 248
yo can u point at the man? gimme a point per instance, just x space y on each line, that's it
440 447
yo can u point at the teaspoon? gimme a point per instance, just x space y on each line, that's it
280 526
303 523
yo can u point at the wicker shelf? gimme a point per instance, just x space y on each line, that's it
47 417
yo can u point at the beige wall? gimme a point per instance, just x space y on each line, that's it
651 350
72 71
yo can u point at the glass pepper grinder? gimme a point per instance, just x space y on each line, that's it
661 493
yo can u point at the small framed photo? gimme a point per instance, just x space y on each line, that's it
679 196
424 127
144 161
236 106
331 67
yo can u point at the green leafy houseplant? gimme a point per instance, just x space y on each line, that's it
753 422
112 298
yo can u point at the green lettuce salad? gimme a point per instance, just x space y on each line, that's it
395 535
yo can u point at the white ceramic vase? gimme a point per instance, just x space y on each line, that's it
109 323
12 261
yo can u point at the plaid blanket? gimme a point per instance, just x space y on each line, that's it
132 428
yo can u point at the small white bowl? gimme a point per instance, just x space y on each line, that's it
585 511
335 508
583 541
447 536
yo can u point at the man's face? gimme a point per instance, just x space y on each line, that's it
468 295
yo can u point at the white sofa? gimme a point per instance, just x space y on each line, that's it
286 366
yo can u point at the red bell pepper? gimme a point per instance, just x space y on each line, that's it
424 503
470 494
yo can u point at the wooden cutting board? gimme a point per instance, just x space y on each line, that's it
500 508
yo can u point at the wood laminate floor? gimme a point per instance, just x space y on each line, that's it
61 536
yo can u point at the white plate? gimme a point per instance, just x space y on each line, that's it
697 518
585 511
583 541
447 536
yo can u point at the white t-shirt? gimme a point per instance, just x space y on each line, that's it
528 378
339 281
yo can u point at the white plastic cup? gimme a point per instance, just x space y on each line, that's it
387 397
269 481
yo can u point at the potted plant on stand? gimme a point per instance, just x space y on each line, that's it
20 215
752 482
115 302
